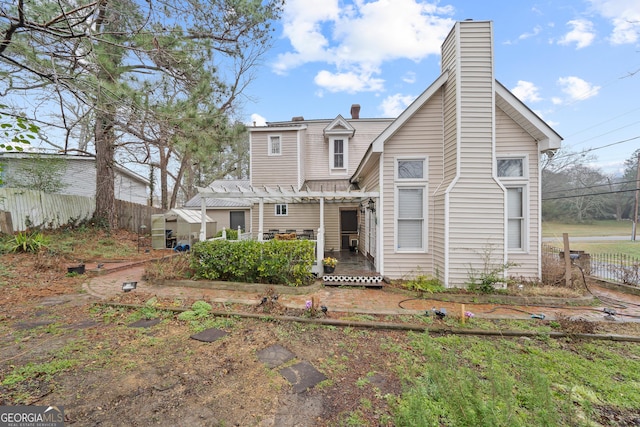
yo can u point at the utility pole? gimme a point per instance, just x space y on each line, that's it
635 212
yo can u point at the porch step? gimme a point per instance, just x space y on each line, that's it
364 281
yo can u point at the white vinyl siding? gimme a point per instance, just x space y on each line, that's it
275 145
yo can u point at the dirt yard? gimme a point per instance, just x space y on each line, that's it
60 347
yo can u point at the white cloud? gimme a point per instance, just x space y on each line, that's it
526 91
409 77
257 120
357 39
577 89
536 30
393 105
624 15
349 82
582 33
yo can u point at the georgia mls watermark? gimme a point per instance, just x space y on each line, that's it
31 416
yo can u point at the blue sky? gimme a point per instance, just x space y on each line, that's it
572 62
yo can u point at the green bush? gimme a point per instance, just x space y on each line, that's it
424 283
273 262
27 242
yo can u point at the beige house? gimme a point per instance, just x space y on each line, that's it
449 187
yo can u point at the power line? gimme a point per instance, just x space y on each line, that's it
590 186
597 148
589 195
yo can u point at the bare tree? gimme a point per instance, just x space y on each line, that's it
107 54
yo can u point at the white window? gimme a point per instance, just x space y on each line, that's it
512 171
411 169
338 154
411 202
275 147
282 209
515 218
411 230
511 167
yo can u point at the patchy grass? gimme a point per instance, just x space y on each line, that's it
472 381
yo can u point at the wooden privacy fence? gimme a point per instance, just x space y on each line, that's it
39 209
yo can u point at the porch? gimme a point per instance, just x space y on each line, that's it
349 211
353 268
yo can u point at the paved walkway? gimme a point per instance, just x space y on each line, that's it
108 283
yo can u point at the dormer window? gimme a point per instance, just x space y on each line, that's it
338 153
337 135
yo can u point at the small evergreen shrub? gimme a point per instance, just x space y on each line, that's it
272 262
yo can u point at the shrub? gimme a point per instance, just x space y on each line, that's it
273 262
422 283
27 242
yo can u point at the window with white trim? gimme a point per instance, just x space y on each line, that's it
515 218
410 169
512 171
410 218
511 167
275 145
282 209
338 154
411 202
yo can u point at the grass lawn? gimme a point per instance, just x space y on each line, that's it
595 229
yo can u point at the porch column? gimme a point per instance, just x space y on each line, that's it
260 219
320 241
203 216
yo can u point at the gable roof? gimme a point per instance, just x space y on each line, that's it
339 126
547 138
544 135
377 144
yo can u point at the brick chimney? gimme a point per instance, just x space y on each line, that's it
355 111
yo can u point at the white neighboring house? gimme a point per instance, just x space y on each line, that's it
77 175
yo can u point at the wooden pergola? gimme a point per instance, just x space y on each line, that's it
284 194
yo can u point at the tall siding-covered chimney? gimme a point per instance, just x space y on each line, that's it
355 111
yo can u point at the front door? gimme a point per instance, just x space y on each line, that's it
236 220
348 227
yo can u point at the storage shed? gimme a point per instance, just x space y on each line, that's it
178 228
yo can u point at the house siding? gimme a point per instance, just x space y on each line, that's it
78 178
512 140
476 199
420 136
274 170
317 147
222 217
305 216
